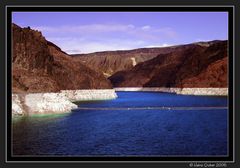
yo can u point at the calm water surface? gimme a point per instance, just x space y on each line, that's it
128 131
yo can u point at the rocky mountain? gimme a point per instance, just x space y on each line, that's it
110 62
195 65
40 66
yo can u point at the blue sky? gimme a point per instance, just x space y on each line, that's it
85 32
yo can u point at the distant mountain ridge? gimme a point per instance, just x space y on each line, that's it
201 64
110 62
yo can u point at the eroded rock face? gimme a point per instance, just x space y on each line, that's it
41 66
194 65
30 50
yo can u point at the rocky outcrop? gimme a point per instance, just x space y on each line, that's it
198 65
41 103
54 103
110 62
31 62
17 106
40 66
30 50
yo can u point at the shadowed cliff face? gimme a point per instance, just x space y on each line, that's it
193 65
41 66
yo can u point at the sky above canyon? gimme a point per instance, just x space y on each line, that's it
86 32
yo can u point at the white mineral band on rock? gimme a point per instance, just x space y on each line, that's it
184 91
53 103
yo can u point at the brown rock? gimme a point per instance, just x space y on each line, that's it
41 66
193 65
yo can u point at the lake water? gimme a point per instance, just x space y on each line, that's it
136 123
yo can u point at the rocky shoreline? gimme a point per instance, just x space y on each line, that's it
63 101
183 91
54 103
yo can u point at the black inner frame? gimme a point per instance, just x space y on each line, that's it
228 9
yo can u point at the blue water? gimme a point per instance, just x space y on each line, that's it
124 132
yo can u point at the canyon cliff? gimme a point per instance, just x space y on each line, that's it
40 66
201 65
110 62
